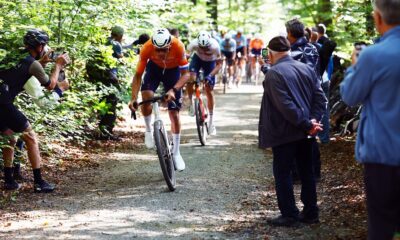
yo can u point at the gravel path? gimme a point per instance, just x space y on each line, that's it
126 197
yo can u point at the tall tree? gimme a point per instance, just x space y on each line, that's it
212 8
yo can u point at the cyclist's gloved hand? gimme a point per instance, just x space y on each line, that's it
133 105
208 79
170 95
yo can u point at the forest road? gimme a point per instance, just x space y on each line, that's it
126 196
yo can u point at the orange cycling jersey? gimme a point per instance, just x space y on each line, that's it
256 44
176 56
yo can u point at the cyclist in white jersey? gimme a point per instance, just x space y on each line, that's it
207 56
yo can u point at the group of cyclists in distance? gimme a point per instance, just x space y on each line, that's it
163 59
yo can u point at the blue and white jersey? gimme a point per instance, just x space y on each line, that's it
240 41
228 45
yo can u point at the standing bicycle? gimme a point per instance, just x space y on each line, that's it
207 57
164 59
163 145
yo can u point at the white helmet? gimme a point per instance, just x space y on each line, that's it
240 30
161 38
227 36
257 36
204 39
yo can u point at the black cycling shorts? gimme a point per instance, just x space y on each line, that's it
12 118
241 51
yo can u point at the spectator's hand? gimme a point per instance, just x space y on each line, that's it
133 105
46 59
63 60
170 95
316 127
63 85
261 61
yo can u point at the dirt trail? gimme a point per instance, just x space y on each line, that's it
126 197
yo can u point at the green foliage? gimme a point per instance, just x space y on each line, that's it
80 27
347 21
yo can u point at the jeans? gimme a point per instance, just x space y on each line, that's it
383 200
285 156
324 134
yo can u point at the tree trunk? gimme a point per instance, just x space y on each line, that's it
325 14
212 9
369 20
59 26
194 2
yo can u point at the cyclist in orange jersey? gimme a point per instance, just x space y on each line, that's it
256 44
164 59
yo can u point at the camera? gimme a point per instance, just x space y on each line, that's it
61 76
54 55
264 53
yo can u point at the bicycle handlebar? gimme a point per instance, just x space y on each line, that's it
152 100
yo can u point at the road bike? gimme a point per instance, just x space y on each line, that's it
162 142
200 109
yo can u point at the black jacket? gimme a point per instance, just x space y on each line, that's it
292 97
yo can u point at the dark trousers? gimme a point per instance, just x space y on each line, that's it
382 185
107 120
284 158
316 162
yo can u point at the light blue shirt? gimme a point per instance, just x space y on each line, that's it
374 81
240 41
228 46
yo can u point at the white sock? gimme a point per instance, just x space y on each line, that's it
176 139
210 118
147 121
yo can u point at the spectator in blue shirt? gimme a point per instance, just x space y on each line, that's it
374 81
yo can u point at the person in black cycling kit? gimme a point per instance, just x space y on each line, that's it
14 121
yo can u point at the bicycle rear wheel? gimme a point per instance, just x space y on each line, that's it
164 155
202 128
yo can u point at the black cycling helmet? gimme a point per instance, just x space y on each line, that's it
34 38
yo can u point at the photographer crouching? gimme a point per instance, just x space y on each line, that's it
12 82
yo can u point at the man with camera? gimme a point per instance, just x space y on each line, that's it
12 120
373 81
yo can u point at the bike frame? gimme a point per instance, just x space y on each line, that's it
157 118
199 96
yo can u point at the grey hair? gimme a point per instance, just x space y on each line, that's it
389 9
295 27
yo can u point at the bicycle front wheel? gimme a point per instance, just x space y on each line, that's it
164 155
201 121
